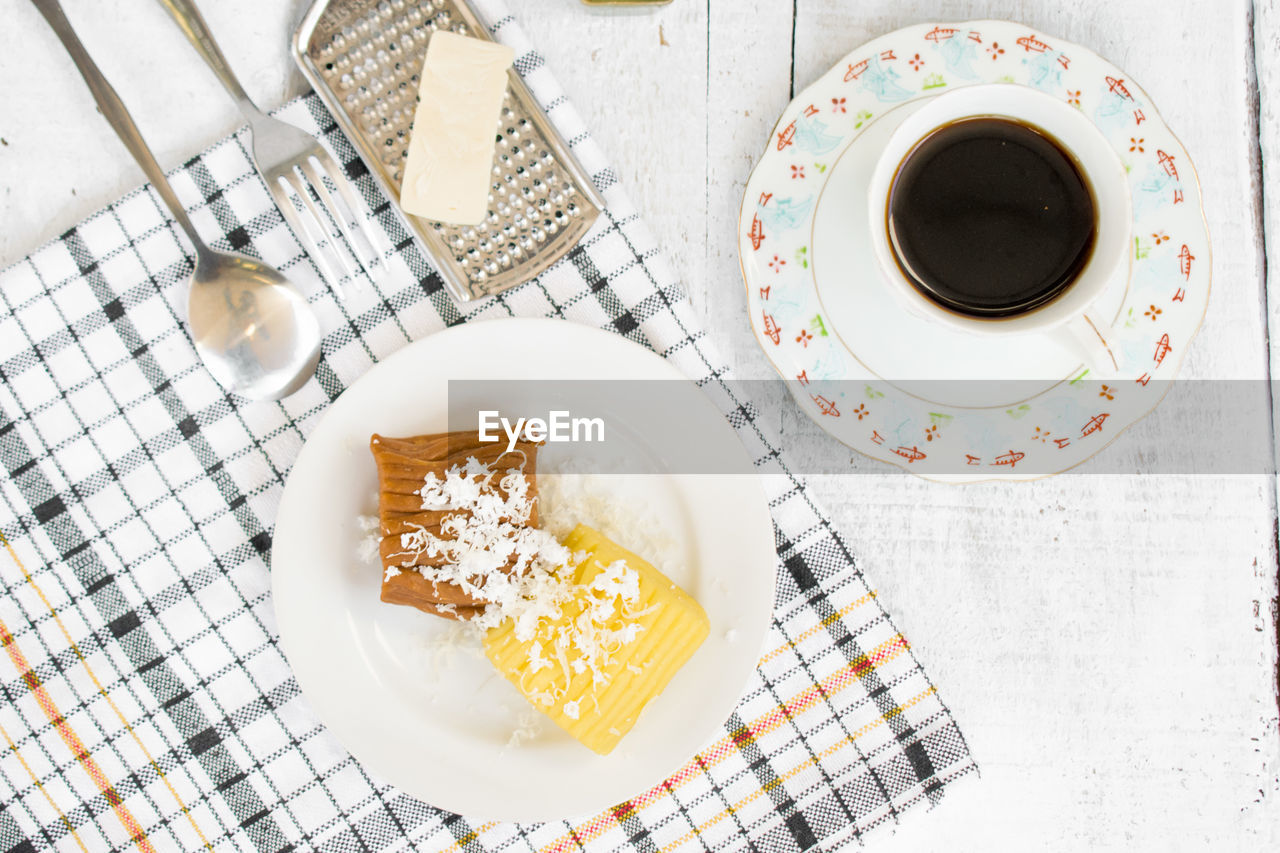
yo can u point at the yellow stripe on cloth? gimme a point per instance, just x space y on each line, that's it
102 691
72 740
25 766
821 626
804 765
728 745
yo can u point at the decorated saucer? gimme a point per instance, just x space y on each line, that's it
940 403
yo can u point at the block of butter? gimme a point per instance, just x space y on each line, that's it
613 647
447 174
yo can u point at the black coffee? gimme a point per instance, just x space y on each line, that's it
990 217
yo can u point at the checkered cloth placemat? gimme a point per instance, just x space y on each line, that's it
144 699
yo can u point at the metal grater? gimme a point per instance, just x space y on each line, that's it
363 58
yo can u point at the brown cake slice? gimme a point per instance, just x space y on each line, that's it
403 466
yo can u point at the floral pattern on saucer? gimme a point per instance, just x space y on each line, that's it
1058 428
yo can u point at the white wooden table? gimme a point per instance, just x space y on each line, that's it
1106 642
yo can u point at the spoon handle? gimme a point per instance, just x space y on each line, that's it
114 111
197 32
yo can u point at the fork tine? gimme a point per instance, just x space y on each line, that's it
314 176
330 166
284 202
299 185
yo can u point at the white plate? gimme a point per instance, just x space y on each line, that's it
371 670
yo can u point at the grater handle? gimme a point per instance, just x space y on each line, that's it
114 111
197 32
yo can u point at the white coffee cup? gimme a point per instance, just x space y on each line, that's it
1071 317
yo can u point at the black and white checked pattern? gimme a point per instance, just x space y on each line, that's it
139 497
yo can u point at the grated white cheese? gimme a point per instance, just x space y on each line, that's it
526 575
528 726
488 550
370 538
571 493
453 640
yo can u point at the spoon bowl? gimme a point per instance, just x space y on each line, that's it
251 326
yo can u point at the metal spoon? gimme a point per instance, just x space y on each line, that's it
251 326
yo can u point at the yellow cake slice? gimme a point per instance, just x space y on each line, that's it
617 641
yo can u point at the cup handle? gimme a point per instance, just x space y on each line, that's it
1091 337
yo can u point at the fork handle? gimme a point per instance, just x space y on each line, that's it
197 32
114 111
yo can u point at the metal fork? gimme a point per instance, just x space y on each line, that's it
292 162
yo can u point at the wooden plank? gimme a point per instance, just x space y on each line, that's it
1266 54
683 132
60 159
1104 640
751 84
640 82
